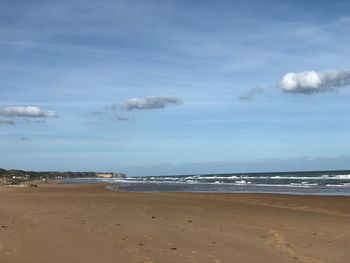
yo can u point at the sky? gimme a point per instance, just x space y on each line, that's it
172 87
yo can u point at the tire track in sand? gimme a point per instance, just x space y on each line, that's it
277 240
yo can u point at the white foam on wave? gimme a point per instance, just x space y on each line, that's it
211 177
242 182
303 184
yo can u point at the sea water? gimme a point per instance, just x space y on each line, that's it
303 183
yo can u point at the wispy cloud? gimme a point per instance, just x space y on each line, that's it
33 121
308 82
157 102
7 122
250 94
121 118
27 111
112 107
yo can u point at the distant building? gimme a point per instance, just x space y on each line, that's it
111 175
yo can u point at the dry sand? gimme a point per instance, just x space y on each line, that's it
88 223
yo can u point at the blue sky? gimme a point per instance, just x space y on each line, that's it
209 81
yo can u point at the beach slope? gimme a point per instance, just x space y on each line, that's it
89 223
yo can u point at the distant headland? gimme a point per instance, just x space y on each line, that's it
14 176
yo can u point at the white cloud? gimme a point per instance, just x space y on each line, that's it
27 111
7 122
312 82
157 102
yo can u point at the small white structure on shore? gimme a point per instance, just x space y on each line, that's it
111 175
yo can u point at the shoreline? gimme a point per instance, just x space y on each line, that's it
111 187
89 223
295 191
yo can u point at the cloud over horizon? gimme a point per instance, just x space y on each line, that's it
308 82
157 102
27 111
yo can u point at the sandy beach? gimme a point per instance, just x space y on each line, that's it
89 223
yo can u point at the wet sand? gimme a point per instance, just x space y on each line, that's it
88 223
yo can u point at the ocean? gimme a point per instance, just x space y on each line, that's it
302 183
